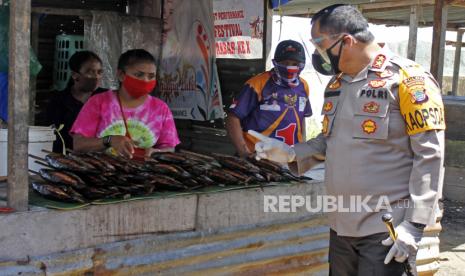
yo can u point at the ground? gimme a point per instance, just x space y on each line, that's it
452 240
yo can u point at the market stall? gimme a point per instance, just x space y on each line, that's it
176 218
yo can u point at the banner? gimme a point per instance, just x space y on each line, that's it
188 79
276 3
239 28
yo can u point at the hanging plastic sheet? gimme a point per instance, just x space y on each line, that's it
103 36
142 33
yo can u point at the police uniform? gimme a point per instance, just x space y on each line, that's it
383 135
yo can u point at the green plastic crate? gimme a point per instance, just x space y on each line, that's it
65 47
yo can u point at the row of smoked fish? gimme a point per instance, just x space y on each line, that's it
80 178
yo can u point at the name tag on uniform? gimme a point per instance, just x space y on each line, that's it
270 107
302 103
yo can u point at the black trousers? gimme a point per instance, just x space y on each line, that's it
360 256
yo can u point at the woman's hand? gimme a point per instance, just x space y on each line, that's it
123 145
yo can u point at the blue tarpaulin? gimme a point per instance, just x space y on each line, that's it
3 96
277 3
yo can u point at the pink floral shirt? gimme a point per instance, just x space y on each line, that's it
150 125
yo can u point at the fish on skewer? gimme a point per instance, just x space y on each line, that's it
194 155
168 183
236 163
98 164
67 178
267 164
53 192
205 180
73 193
221 176
60 162
243 178
201 159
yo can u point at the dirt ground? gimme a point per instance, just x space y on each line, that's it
452 240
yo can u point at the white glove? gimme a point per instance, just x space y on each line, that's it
406 244
272 149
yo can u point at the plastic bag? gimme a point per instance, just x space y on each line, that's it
142 33
103 37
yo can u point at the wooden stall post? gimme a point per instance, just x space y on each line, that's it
33 81
439 36
412 34
458 51
18 104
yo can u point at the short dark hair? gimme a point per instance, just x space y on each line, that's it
79 58
76 61
134 56
340 18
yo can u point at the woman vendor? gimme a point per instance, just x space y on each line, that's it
129 121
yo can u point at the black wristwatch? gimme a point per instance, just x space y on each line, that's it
107 141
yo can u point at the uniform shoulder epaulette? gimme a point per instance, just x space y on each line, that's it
408 65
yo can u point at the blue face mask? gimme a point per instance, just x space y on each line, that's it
287 75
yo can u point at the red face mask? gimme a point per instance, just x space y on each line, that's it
137 88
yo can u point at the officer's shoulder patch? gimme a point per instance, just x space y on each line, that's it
401 61
420 100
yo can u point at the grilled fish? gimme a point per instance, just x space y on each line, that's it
53 192
221 176
236 163
60 162
168 183
267 164
243 178
67 178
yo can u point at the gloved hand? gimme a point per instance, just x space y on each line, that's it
272 149
406 244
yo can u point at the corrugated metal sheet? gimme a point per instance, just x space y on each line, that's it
295 248
400 15
428 252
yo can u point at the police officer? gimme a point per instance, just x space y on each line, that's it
274 103
383 135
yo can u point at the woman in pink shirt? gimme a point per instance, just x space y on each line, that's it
128 122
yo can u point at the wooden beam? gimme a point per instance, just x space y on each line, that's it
458 51
60 11
393 5
267 34
456 3
439 33
455 43
33 81
412 34
391 22
18 104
